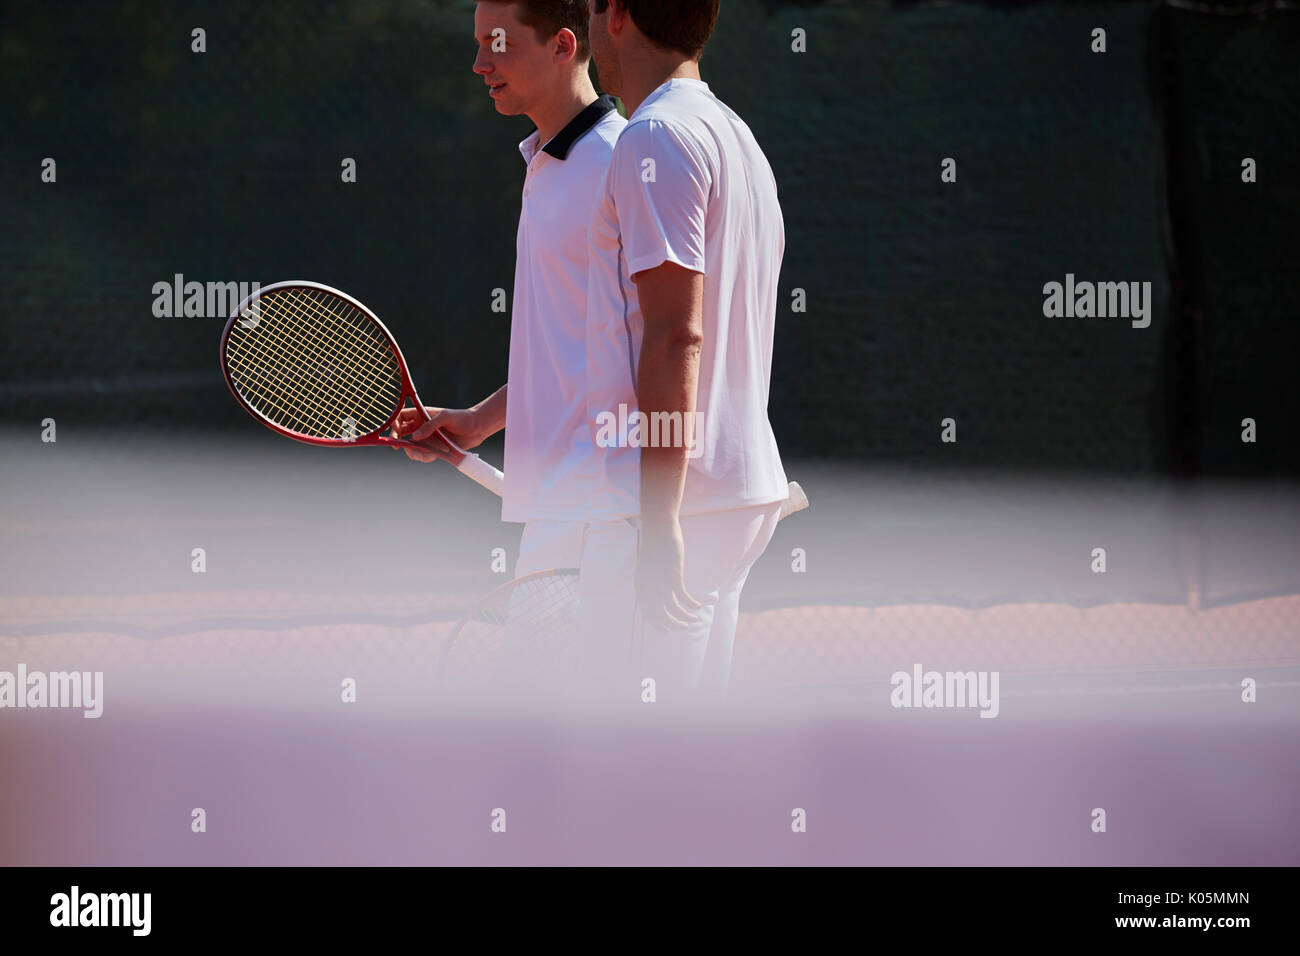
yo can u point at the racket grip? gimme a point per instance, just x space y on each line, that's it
472 466
796 502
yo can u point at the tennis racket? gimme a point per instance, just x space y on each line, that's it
314 364
535 613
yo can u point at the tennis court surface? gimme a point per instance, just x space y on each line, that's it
221 689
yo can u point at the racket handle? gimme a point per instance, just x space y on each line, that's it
472 466
796 502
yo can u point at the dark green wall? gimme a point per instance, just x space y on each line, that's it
924 299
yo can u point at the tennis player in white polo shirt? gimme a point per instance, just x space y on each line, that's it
686 247
534 58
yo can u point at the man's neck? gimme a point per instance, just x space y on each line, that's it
643 78
562 109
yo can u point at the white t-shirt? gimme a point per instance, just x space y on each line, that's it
687 184
550 472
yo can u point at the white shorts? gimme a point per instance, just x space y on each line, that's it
617 650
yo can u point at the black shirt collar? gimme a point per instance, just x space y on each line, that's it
563 141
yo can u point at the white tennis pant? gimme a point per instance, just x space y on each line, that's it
618 652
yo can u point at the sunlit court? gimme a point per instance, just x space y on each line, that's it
294 682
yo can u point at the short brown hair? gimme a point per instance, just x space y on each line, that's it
549 17
680 25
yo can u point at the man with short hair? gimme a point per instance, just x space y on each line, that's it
534 58
686 245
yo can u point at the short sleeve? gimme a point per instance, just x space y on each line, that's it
661 183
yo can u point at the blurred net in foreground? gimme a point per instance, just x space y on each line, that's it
298 646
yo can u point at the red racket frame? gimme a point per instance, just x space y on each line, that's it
375 437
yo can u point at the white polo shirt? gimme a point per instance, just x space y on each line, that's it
688 184
549 468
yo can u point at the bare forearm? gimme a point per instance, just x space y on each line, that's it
667 377
491 411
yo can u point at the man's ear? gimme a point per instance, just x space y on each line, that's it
566 42
617 16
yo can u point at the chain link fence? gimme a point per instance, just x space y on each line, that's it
924 299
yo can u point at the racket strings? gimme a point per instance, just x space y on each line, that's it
290 409
363 350
276 401
281 362
277 371
527 627
358 329
314 364
330 412
540 603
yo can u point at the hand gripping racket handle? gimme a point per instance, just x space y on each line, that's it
471 465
